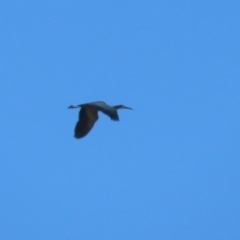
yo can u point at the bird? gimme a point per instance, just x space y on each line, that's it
88 115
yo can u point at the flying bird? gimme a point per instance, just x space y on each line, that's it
88 115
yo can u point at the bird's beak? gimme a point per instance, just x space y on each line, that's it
128 108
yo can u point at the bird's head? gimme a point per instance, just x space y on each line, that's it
122 107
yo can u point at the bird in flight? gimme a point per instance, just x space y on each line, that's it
88 115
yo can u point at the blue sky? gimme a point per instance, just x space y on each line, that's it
169 169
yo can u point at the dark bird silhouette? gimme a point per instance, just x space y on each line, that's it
88 115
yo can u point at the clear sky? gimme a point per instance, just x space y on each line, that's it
169 169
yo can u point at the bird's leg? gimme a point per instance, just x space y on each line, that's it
71 106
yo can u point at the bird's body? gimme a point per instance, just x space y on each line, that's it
88 115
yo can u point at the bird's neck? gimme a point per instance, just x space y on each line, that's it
117 106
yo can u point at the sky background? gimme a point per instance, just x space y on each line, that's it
169 169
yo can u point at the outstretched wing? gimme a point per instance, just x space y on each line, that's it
88 115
